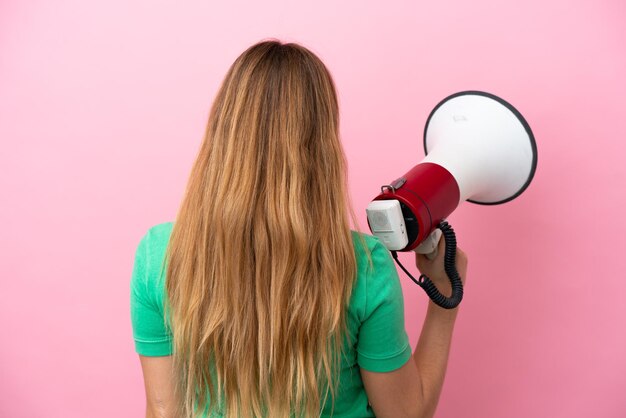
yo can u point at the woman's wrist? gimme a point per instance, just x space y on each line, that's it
440 313
445 288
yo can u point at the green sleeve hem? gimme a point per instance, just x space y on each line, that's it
387 364
154 348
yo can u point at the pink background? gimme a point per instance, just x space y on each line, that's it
102 109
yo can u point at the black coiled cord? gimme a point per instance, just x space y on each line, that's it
449 264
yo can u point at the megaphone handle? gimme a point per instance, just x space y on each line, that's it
449 261
429 247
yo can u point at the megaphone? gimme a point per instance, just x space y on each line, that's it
478 148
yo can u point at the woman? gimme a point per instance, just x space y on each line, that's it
259 300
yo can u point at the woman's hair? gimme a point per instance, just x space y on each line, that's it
261 262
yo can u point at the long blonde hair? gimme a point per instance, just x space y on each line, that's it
261 262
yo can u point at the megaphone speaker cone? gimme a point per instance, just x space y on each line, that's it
485 143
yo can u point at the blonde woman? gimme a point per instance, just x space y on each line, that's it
259 300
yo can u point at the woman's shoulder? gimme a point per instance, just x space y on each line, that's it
374 262
360 238
157 236
369 248
160 231
154 243
376 275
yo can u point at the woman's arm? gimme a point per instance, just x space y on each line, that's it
432 352
159 384
413 390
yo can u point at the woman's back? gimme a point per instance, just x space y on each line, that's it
376 339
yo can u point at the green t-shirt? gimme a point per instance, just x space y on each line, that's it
375 317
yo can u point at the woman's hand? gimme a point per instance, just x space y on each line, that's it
434 268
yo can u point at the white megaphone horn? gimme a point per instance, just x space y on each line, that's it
478 148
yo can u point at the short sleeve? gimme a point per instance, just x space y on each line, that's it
383 344
149 331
